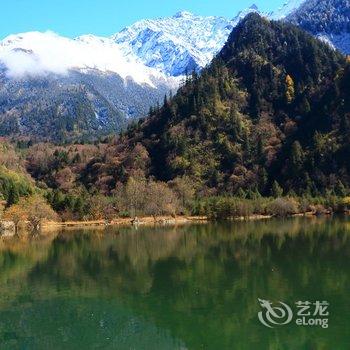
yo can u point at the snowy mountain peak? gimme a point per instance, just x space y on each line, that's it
242 14
183 14
93 39
254 7
178 44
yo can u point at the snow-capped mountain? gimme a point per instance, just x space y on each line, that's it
94 84
179 44
288 7
146 52
327 19
186 42
80 86
175 45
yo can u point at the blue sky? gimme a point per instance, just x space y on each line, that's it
105 17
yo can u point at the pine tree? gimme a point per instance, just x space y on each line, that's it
304 107
296 157
241 193
277 190
263 178
261 152
340 189
57 201
12 196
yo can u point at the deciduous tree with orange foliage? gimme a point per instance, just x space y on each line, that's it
33 210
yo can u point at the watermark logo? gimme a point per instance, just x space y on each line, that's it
306 313
274 315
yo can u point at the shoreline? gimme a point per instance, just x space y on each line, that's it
127 222
159 221
53 226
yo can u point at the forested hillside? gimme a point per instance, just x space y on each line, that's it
269 117
271 107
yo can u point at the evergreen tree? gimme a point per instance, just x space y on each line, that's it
241 193
304 107
340 189
261 158
296 158
277 190
12 196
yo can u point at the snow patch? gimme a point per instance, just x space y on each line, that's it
337 41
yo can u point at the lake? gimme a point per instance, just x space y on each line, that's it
188 287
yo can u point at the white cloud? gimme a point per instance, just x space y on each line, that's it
37 53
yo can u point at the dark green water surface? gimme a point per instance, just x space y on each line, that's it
191 287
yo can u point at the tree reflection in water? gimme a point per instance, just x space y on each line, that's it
189 287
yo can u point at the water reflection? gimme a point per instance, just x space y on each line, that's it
192 287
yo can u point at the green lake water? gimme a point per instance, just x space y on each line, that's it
190 287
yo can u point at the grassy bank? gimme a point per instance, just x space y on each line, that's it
216 208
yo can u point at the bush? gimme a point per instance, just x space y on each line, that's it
305 205
283 207
221 208
345 204
320 209
160 200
